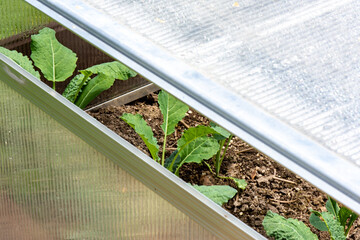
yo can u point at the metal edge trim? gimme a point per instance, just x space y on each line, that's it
127 97
306 160
208 214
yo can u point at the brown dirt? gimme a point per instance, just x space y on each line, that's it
270 186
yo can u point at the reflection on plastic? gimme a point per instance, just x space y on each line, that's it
55 186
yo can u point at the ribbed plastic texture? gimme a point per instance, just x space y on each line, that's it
297 60
16 16
55 186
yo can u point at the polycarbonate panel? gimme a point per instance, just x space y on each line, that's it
298 60
17 16
55 186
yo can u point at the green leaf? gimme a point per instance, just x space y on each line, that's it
114 69
73 89
286 229
332 206
346 218
195 145
107 73
21 60
334 227
55 61
172 110
221 132
351 221
140 126
344 214
198 149
240 183
317 222
220 194
94 87
170 159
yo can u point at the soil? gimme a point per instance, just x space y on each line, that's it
270 186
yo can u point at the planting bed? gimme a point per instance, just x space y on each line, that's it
270 186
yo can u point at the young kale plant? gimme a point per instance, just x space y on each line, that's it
224 138
337 221
57 63
195 144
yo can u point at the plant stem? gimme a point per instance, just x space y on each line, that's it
212 172
173 161
54 85
351 222
219 160
218 157
163 151
208 165
347 230
178 167
226 147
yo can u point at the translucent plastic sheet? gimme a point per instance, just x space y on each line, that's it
297 60
16 17
55 186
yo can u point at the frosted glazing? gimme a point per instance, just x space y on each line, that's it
55 186
297 60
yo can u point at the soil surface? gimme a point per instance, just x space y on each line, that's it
270 186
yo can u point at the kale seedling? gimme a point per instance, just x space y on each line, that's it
224 138
57 63
337 221
195 144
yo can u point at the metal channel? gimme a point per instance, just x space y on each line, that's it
208 214
299 153
127 97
